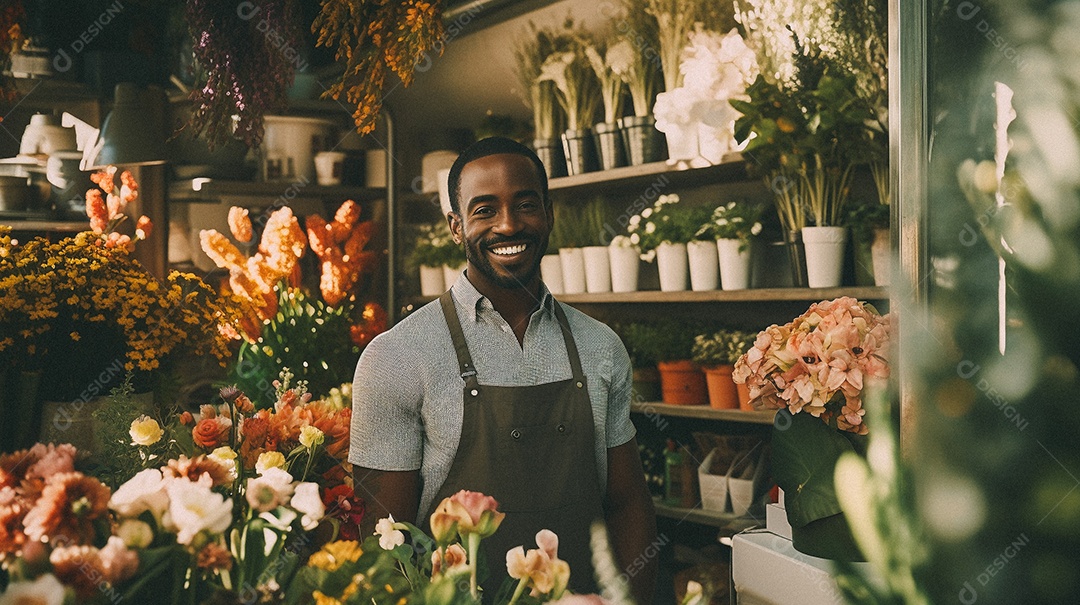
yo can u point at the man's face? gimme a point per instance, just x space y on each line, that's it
503 221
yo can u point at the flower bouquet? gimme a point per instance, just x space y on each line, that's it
402 564
813 370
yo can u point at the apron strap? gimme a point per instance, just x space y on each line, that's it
465 362
571 344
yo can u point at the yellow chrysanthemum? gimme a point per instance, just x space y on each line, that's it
335 554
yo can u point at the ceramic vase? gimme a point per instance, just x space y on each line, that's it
734 265
432 282
704 266
573 270
551 273
672 263
824 255
625 263
682 142
597 269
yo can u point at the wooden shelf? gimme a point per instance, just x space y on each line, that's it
749 295
46 225
201 190
660 174
703 412
704 517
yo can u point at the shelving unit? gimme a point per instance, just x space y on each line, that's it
204 190
702 412
724 521
732 168
749 295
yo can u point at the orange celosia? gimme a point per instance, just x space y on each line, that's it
339 245
240 224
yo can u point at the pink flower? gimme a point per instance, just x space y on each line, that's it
472 512
454 557
540 567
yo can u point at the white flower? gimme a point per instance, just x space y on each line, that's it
268 460
648 256
650 227
46 590
193 508
635 239
389 537
622 241
135 533
635 220
270 490
646 213
694 594
756 229
722 222
145 431
307 502
143 492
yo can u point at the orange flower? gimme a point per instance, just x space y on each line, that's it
209 433
95 209
193 469
67 509
214 556
240 224
143 227
79 567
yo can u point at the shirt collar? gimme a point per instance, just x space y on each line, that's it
466 294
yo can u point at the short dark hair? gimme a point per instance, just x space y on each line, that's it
484 148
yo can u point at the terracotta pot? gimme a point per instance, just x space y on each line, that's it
722 392
744 397
682 383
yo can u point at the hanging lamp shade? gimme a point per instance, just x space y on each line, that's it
129 134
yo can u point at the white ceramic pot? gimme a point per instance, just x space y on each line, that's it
290 145
682 142
551 273
573 270
597 269
431 281
451 275
881 253
824 255
734 265
704 266
672 263
625 263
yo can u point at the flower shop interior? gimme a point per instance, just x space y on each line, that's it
838 240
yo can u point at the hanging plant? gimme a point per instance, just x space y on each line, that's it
373 38
248 57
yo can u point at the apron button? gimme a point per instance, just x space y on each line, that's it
579 385
474 392
516 434
562 428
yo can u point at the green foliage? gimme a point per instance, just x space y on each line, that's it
734 220
307 336
435 247
721 348
866 218
639 340
579 225
662 340
665 221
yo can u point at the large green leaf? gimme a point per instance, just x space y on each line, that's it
804 454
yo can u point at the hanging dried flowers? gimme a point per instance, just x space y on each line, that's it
247 52
373 38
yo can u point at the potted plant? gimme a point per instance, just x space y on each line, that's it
568 237
818 391
633 57
609 141
578 92
539 94
717 353
641 340
661 231
701 253
681 380
592 222
869 223
625 260
434 249
732 226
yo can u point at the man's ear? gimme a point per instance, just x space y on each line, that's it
454 220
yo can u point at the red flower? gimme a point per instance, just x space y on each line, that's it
209 433
341 503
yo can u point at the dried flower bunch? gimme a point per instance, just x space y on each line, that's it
374 39
532 50
576 85
241 52
598 51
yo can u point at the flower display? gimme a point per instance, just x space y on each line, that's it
576 85
819 362
733 220
339 244
107 214
530 53
664 221
402 564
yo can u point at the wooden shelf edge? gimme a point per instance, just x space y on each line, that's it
749 295
703 412
208 190
46 225
733 165
702 516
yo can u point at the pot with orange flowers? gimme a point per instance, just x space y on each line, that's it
79 315
814 371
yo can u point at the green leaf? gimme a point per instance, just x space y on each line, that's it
804 455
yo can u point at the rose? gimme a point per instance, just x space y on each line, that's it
226 457
311 437
268 460
468 513
209 432
145 431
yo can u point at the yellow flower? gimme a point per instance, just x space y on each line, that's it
145 431
75 336
311 437
268 460
228 458
335 554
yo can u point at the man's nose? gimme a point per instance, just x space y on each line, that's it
507 222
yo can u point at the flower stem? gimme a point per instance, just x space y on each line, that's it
522 583
474 548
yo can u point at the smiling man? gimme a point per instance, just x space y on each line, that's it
498 388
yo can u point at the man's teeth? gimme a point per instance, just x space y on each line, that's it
508 250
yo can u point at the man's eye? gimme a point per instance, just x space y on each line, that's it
529 205
483 211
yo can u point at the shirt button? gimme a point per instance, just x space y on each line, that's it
474 392
516 434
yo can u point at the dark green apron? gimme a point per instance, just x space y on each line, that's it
532 449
